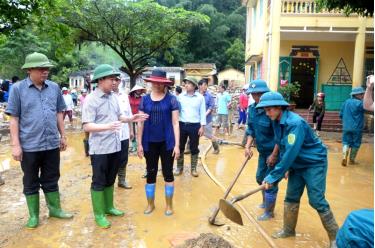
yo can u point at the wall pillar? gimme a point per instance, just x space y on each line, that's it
275 46
359 54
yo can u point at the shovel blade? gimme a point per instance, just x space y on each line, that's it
230 211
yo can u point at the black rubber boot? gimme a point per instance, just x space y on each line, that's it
290 221
329 223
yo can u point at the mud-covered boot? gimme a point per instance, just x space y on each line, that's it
54 206
345 154
270 201
169 190
121 180
2 182
215 145
329 223
353 155
108 199
263 204
33 206
180 166
194 163
290 221
86 147
98 206
150 195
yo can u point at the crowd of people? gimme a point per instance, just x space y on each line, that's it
158 125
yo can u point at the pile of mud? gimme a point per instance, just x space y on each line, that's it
206 240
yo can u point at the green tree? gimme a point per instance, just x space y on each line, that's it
360 7
236 55
17 14
14 50
136 31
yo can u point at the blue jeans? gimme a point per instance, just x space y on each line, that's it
243 116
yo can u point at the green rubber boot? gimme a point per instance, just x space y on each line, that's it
98 206
53 204
108 199
290 221
353 155
33 206
330 224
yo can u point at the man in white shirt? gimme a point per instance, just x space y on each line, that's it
126 132
69 105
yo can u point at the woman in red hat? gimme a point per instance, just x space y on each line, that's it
158 137
319 108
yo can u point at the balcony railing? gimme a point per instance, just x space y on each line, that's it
304 7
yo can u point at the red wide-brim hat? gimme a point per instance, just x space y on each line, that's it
159 80
159 77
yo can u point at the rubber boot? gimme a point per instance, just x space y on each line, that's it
194 163
121 180
345 154
1 180
54 206
33 206
108 199
329 223
98 205
86 146
150 195
134 146
169 190
353 154
215 145
263 204
290 221
270 201
180 166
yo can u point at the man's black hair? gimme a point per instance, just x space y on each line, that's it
178 89
15 79
203 81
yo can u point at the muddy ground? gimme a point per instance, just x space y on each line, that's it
195 198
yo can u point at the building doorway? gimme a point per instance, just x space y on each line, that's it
303 72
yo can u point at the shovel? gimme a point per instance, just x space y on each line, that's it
212 218
230 211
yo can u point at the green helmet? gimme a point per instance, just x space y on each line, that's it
104 70
191 79
35 60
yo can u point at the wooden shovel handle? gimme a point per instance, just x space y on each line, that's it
251 192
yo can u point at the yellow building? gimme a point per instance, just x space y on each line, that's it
231 78
202 71
289 41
